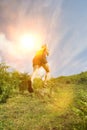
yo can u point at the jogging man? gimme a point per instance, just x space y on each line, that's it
40 60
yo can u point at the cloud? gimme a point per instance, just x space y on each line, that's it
55 23
11 55
18 17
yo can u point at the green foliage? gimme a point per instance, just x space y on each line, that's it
65 109
15 76
4 82
8 81
24 82
23 112
74 79
38 83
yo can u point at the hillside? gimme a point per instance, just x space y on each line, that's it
61 105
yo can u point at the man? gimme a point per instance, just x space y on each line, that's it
40 60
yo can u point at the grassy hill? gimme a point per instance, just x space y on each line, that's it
61 105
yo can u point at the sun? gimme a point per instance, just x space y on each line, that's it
29 42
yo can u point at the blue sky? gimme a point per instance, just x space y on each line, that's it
60 23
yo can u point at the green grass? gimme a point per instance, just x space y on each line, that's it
64 109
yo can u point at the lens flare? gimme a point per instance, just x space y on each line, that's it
62 100
29 42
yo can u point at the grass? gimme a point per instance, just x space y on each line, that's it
65 109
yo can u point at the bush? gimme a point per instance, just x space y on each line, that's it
7 82
4 83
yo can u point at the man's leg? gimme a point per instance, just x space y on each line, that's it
30 82
35 70
46 67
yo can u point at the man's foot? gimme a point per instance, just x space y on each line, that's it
45 84
30 88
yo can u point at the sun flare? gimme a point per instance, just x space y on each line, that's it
29 42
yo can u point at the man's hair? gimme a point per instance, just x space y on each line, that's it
44 46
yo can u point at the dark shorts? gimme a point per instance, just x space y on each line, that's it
39 60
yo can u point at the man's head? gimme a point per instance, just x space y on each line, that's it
45 49
44 45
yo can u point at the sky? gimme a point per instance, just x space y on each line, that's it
62 24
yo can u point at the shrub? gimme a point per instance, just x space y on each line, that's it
8 81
